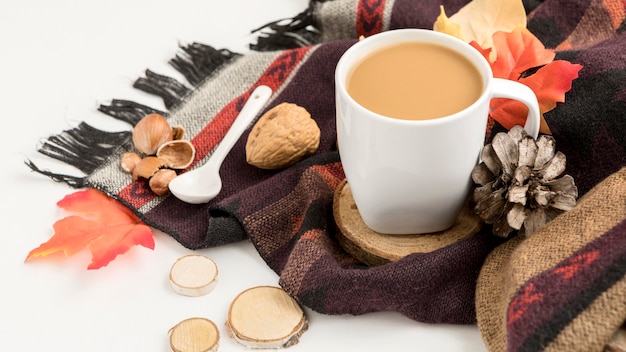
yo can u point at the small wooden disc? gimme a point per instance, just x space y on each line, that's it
194 335
374 248
266 317
193 275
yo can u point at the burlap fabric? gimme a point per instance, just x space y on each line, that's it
564 288
287 214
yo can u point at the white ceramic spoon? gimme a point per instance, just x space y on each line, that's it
204 183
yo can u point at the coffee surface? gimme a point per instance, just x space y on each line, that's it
415 81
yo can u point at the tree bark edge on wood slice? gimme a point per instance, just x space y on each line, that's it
194 334
266 317
374 248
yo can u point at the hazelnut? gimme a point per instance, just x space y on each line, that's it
159 182
128 161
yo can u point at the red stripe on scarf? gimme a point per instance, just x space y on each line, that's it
544 305
138 194
369 17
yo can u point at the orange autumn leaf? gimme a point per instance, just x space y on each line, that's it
550 83
484 52
519 52
102 225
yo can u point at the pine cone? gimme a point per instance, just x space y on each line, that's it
519 188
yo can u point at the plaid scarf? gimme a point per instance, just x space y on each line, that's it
287 214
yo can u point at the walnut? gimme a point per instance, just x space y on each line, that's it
281 137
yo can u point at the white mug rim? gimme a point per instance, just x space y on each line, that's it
390 37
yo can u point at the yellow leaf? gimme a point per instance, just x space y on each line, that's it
444 25
480 19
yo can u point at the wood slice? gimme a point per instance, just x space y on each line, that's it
193 275
266 317
374 248
194 335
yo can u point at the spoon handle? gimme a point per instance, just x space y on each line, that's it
251 108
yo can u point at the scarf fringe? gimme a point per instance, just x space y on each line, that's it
200 61
72 181
167 88
301 30
83 147
128 111
87 148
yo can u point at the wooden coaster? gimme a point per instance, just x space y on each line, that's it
193 275
194 335
374 248
266 317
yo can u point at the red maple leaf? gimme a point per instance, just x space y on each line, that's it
517 53
101 224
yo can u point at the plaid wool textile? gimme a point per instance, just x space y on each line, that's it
287 214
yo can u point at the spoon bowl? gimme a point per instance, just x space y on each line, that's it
204 183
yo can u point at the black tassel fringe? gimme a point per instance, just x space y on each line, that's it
83 147
169 89
72 181
300 31
128 111
200 61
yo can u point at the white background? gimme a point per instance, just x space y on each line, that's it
58 61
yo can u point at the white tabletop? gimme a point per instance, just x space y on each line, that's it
58 61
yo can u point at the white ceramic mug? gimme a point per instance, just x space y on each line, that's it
414 176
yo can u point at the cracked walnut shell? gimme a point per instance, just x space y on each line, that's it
281 137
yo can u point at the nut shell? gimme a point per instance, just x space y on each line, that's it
177 154
281 137
150 133
178 132
147 167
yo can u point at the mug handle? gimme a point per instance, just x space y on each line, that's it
506 88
